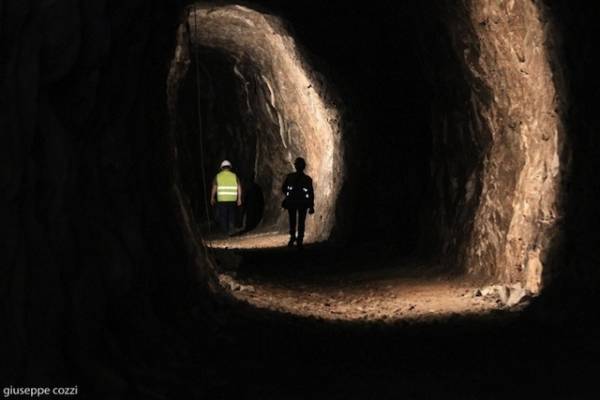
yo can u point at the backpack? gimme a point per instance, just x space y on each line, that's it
297 190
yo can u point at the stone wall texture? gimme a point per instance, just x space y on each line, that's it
92 256
506 50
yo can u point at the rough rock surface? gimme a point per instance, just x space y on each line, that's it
88 224
510 193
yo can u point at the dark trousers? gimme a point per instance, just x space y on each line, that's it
297 215
225 214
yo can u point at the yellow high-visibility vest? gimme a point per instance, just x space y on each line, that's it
227 187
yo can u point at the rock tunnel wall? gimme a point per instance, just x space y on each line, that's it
92 257
514 110
458 142
283 106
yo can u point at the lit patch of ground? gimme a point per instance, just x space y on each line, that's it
386 300
358 284
264 240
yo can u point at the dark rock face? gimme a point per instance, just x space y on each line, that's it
213 91
91 246
575 275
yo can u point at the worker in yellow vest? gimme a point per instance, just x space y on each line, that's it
226 196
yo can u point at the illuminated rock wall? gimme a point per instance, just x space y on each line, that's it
515 116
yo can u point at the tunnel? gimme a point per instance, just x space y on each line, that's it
457 164
264 109
452 146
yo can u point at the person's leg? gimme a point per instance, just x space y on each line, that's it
231 216
238 216
301 225
221 217
292 215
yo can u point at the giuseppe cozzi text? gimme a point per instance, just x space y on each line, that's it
34 392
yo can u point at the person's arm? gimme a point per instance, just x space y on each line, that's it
213 193
239 192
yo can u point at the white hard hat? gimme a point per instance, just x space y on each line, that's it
225 163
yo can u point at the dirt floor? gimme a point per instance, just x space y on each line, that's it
364 322
369 282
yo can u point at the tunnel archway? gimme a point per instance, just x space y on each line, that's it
283 109
489 209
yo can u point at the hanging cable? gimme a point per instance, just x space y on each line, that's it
200 127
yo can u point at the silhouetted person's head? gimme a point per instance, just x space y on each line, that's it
300 164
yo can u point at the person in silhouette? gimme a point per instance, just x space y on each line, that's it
299 198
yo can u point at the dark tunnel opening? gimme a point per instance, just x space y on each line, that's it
387 194
392 118
214 108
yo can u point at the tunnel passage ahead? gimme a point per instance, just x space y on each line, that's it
282 106
492 200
